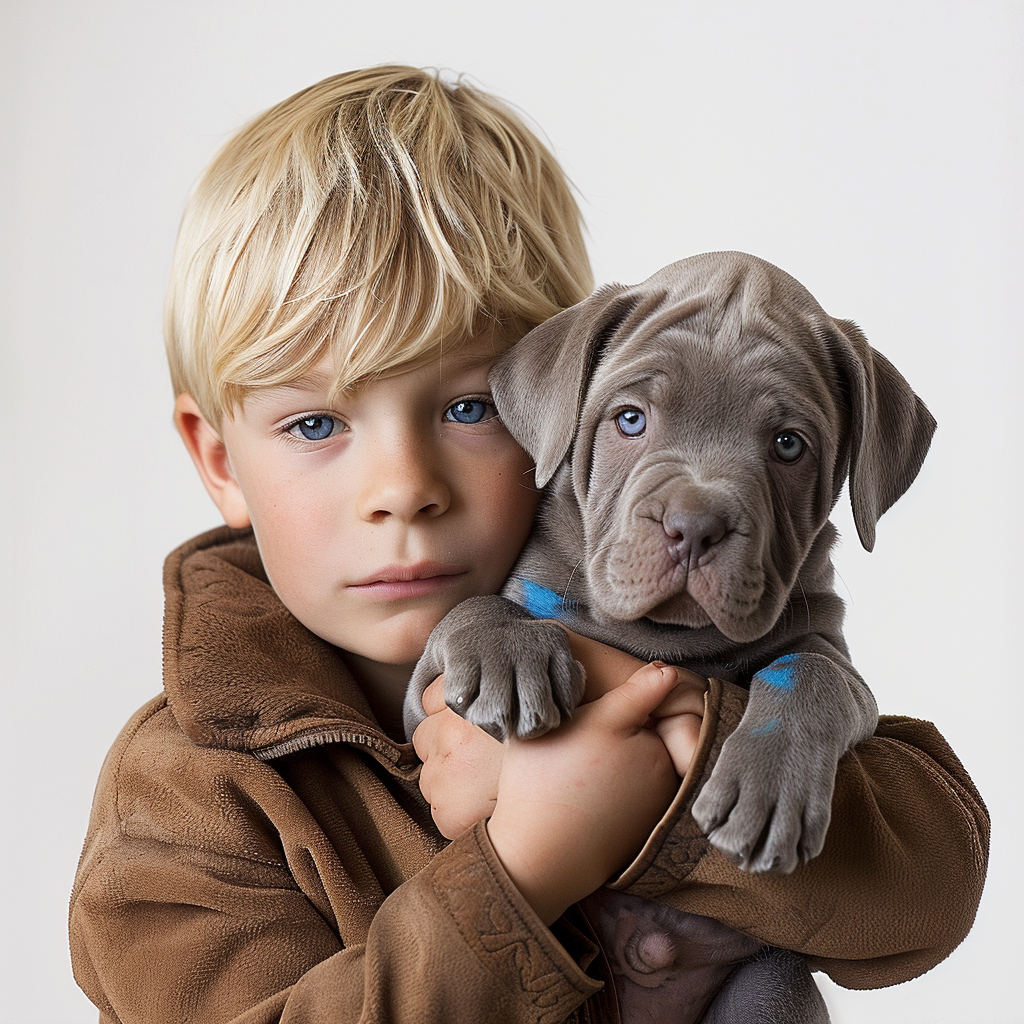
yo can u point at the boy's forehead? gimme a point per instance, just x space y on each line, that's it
450 360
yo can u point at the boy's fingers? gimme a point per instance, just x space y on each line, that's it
686 697
631 703
424 741
692 679
433 697
681 735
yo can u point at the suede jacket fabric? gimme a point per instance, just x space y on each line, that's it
259 850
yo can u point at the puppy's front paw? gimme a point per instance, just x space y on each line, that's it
767 804
506 672
522 685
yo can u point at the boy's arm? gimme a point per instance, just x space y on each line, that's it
193 903
895 889
160 938
897 885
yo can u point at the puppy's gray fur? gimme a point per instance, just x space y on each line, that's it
698 541
695 542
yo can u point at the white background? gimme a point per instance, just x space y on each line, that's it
873 150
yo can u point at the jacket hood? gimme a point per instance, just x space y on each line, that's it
241 672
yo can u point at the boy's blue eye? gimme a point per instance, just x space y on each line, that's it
470 410
314 428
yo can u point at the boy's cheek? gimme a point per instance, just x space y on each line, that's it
491 523
508 501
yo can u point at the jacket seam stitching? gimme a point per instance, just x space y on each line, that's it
144 839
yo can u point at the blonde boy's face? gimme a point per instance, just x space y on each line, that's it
377 513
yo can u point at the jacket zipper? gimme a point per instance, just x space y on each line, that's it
305 741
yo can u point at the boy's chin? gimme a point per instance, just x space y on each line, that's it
395 644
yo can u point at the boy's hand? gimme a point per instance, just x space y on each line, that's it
576 805
461 765
677 720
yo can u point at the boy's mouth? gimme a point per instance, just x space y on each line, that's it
400 581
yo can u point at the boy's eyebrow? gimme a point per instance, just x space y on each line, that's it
315 380
461 358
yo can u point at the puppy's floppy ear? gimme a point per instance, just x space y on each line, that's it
540 383
890 428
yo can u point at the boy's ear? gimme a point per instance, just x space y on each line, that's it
211 458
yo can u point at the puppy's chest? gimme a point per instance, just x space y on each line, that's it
705 651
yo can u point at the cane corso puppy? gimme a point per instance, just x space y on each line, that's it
692 434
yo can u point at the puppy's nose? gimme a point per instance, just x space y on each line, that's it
693 534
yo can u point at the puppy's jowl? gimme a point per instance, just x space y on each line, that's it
692 433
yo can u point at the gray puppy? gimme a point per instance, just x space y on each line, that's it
693 433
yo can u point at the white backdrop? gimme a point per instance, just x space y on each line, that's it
872 150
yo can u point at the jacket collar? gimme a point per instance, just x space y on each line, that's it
241 672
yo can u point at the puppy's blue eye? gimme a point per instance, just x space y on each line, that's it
789 446
470 410
314 428
631 422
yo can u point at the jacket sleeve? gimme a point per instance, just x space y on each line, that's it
171 927
895 889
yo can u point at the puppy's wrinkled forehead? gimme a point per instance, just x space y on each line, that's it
726 298
712 315
736 284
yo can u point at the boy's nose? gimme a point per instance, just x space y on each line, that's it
403 481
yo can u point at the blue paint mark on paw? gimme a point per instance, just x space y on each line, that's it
540 602
764 730
781 673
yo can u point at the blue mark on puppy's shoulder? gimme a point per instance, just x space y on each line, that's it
542 603
781 673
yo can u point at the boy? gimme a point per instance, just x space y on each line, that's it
347 270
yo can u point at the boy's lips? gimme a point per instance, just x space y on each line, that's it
398 581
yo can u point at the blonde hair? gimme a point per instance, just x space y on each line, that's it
372 217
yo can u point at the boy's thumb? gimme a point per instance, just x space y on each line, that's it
631 703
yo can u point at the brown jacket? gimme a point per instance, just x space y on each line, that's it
259 850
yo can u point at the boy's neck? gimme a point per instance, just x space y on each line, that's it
384 687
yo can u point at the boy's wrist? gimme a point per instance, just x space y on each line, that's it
575 806
547 883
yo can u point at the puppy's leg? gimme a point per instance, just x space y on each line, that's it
667 965
772 987
768 802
